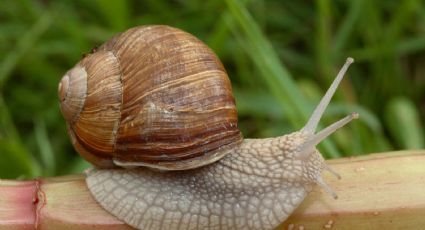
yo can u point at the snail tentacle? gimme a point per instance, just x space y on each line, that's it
321 107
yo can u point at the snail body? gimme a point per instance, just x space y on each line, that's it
247 189
145 98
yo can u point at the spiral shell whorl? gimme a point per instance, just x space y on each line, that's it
72 92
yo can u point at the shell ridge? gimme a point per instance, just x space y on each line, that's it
84 96
116 127
76 116
198 76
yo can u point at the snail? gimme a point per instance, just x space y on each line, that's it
152 109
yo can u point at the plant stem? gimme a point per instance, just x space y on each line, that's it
376 191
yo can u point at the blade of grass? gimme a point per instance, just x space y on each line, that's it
45 148
7 128
275 74
402 119
324 56
13 151
33 8
277 77
348 25
25 43
406 46
411 45
258 104
401 17
15 161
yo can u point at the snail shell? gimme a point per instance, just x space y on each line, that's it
151 96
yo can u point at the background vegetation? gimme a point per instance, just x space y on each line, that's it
280 55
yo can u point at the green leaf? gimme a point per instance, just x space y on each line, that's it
45 148
15 161
25 43
403 122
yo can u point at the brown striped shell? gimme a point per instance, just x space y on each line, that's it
151 96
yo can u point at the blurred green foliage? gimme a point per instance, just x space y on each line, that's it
281 57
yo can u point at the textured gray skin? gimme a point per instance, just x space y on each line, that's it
257 186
